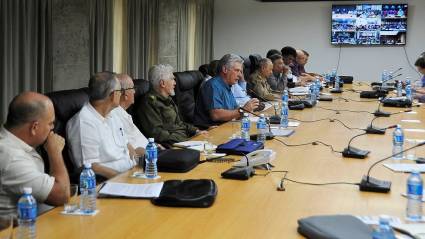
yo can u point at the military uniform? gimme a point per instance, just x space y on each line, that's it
277 82
260 87
158 118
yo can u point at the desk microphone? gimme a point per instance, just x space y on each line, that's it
379 113
239 173
275 118
369 184
375 130
351 152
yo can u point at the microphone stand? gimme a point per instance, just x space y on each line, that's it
351 152
379 113
369 184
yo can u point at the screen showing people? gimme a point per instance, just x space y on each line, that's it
369 24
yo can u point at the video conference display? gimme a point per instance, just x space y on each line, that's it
369 24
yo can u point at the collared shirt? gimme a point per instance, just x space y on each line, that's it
159 118
214 94
97 139
423 81
295 69
135 137
20 166
301 69
239 92
258 84
277 81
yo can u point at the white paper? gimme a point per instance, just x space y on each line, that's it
195 145
410 121
415 130
415 229
78 212
267 106
290 124
148 190
282 132
374 220
405 167
412 112
253 118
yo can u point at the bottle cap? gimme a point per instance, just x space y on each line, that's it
151 140
27 190
385 219
245 114
262 115
87 165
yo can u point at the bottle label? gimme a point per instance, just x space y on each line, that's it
28 213
88 183
261 125
399 138
414 189
152 154
245 124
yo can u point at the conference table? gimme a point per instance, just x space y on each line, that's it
255 208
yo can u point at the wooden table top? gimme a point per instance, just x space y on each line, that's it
254 208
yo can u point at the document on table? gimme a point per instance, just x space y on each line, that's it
290 124
282 132
417 230
405 167
195 145
148 190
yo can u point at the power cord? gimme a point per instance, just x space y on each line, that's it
316 142
338 111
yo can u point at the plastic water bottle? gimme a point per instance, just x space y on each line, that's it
384 230
284 115
399 89
87 189
285 96
317 86
245 125
408 81
384 77
27 215
313 92
398 140
151 169
333 74
414 196
409 92
337 83
261 129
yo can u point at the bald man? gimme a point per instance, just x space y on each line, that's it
29 123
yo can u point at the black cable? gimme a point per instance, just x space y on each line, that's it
348 99
321 184
316 142
330 119
352 111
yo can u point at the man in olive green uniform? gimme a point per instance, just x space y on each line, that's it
257 82
157 113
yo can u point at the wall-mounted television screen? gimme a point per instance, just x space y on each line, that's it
369 24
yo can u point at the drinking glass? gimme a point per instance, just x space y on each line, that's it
72 204
410 154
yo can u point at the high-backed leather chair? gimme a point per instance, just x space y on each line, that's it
255 62
246 67
141 87
67 103
187 89
204 69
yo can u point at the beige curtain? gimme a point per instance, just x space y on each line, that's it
203 48
142 30
25 49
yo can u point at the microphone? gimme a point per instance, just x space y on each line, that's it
351 152
239 173
269 135
275 118
379 113
375 130
399 69
369 184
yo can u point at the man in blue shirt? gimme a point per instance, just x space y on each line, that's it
216 103
239 92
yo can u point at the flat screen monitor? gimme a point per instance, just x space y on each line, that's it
369 24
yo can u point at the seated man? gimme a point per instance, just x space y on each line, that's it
95 136
135 138
29 124
301 60
420 86
216 103
157 112
289 55
257 83
278 80
239 92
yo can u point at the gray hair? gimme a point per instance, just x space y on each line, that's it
101 85
158 73
229 61
125 81
264 62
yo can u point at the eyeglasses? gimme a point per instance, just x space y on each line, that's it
131 88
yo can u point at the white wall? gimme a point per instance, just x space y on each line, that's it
248 26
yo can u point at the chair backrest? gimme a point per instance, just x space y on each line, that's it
204 69
246 67
67 103
142 87
187 89
255 62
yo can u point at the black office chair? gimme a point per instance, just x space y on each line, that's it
67 103
246 67
204 69
255 62
141 87
187 89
